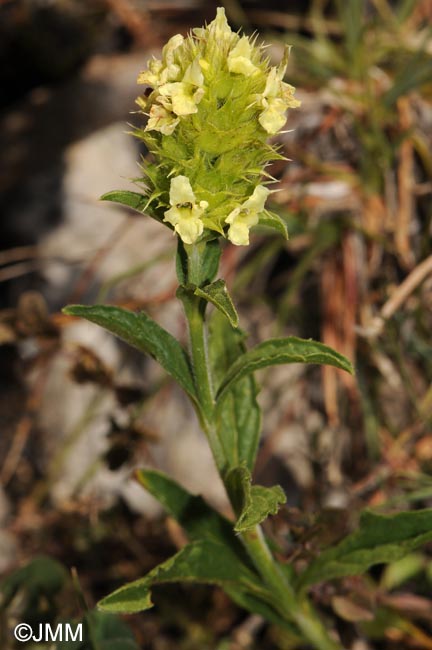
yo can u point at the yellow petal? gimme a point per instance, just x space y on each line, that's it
239 59
181 191
189 230
273 117
180 98
170 48
257 199
185 212
238 234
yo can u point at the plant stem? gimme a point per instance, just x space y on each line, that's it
194 309
287 603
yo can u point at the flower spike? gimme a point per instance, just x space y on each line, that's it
212 102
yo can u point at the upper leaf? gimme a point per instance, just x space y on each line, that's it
140 331
380 538
218 295
134 200
253 503
279 351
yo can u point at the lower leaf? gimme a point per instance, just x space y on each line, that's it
379 539
204 561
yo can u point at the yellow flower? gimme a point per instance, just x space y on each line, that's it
246 215
161 120
185 211
161 72
151 76
239 59
182 97
277 97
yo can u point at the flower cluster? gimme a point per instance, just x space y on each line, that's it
213 101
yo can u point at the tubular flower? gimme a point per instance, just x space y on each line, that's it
211 104
242 218
185 213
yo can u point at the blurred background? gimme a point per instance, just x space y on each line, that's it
79 411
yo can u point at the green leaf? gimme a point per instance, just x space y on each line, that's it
204 561
278 351
203 522
379 539
134 200
252 503
274 221
218 295
143 333
199 520
238 418
404 569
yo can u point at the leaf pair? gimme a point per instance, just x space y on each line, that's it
214 555
237 414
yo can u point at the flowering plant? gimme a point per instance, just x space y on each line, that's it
212 102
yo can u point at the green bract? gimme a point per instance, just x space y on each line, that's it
213 103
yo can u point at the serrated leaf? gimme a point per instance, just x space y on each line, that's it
239 417
252 503
279 351
379 539
204 561
217 294
143 333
